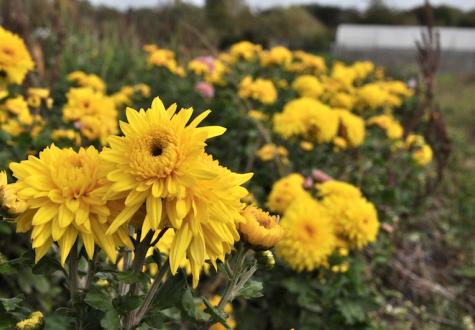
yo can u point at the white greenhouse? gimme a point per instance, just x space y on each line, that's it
396 45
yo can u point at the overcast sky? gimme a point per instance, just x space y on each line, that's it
258 4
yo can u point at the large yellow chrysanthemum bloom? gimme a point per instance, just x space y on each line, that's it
15 60
285 191
308 86
307 118
93 113
63 191
211 209
160 155
351 128
260 229
88 80
309 238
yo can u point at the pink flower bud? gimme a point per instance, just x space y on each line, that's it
320 176
205 89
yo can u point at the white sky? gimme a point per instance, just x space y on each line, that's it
259 4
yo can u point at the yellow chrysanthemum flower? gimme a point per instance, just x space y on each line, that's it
308 86
35 321
269 151
92 81
422 155
278 55
355 219
307 118
8 196
260 229
63 191
245 50
372 96
261 90
391 126
211 214
19 107
305 62
257 115
335 188
159 156
15 60
164 58
351 128
309 238
93 113
36 95
69 134
285 191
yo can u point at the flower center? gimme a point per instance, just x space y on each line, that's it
153 154
156 149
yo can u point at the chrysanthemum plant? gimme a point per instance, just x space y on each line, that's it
106 214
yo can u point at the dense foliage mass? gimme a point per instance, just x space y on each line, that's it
145 215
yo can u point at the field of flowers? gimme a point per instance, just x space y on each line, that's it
133 206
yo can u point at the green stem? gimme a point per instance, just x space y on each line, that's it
149 298
239 278
74 285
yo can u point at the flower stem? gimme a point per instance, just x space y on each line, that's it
240 276
74 285
148 300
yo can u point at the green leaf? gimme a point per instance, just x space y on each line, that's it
99 299
171 292
127 303
47 265
10 304
251 289
58 321
131 277
7 268
111 320
351 310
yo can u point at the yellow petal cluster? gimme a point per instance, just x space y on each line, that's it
92 112
306 62
391 126
245 50
279 55
308 86
270 151
260 229
63 191
15 60
307 118
83 79
164 58
309 238
160 162
261 90
355 219
351 128
285 191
